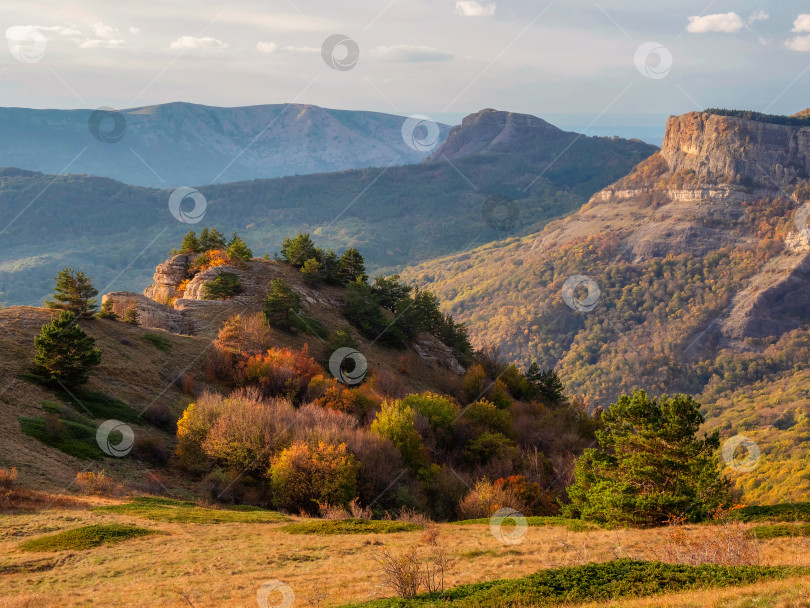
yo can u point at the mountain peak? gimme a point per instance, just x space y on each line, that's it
491 130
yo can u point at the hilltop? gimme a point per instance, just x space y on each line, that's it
185 144
698 265
396 215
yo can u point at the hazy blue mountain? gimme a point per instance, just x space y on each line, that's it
183 144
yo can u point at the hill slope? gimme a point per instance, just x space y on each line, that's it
396 215
182 144
697 263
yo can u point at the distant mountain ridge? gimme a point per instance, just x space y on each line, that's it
185 144
397 215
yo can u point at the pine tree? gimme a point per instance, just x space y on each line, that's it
281 305
352 267
547 384
298 250
75 293
651 465
311 271
330 267
107 311
238 249
190 244
64 352
131 314
211 239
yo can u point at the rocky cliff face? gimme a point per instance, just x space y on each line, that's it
735 150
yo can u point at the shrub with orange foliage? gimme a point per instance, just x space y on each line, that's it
281 372
537 500
246 335
485 498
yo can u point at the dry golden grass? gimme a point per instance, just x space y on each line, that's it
223 565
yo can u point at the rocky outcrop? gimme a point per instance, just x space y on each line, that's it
195 289
774 302
436 352
151 314
168 276
736 150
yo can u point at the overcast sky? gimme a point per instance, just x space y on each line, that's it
443 58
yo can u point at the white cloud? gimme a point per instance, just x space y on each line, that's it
410 53
105 32
134 31
472 8
301 50
802 23
758 16
102 44
22 32
266 47
192 42
721 22
799 43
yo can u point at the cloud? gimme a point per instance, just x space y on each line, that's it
266 47
405 53
758 16
134 31
23 32
799 43
721 22
802 23
192 42
105 32
102 44
472 8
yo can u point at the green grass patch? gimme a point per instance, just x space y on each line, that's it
73 438
159 342
797 511
779 531
166 509
100 406
308 325
85 538
328 527
613 580
574 525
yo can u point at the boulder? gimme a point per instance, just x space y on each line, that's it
168 276
152 314
434 351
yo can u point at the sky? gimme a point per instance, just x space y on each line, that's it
602 66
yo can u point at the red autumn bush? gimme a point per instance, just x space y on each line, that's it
281 372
